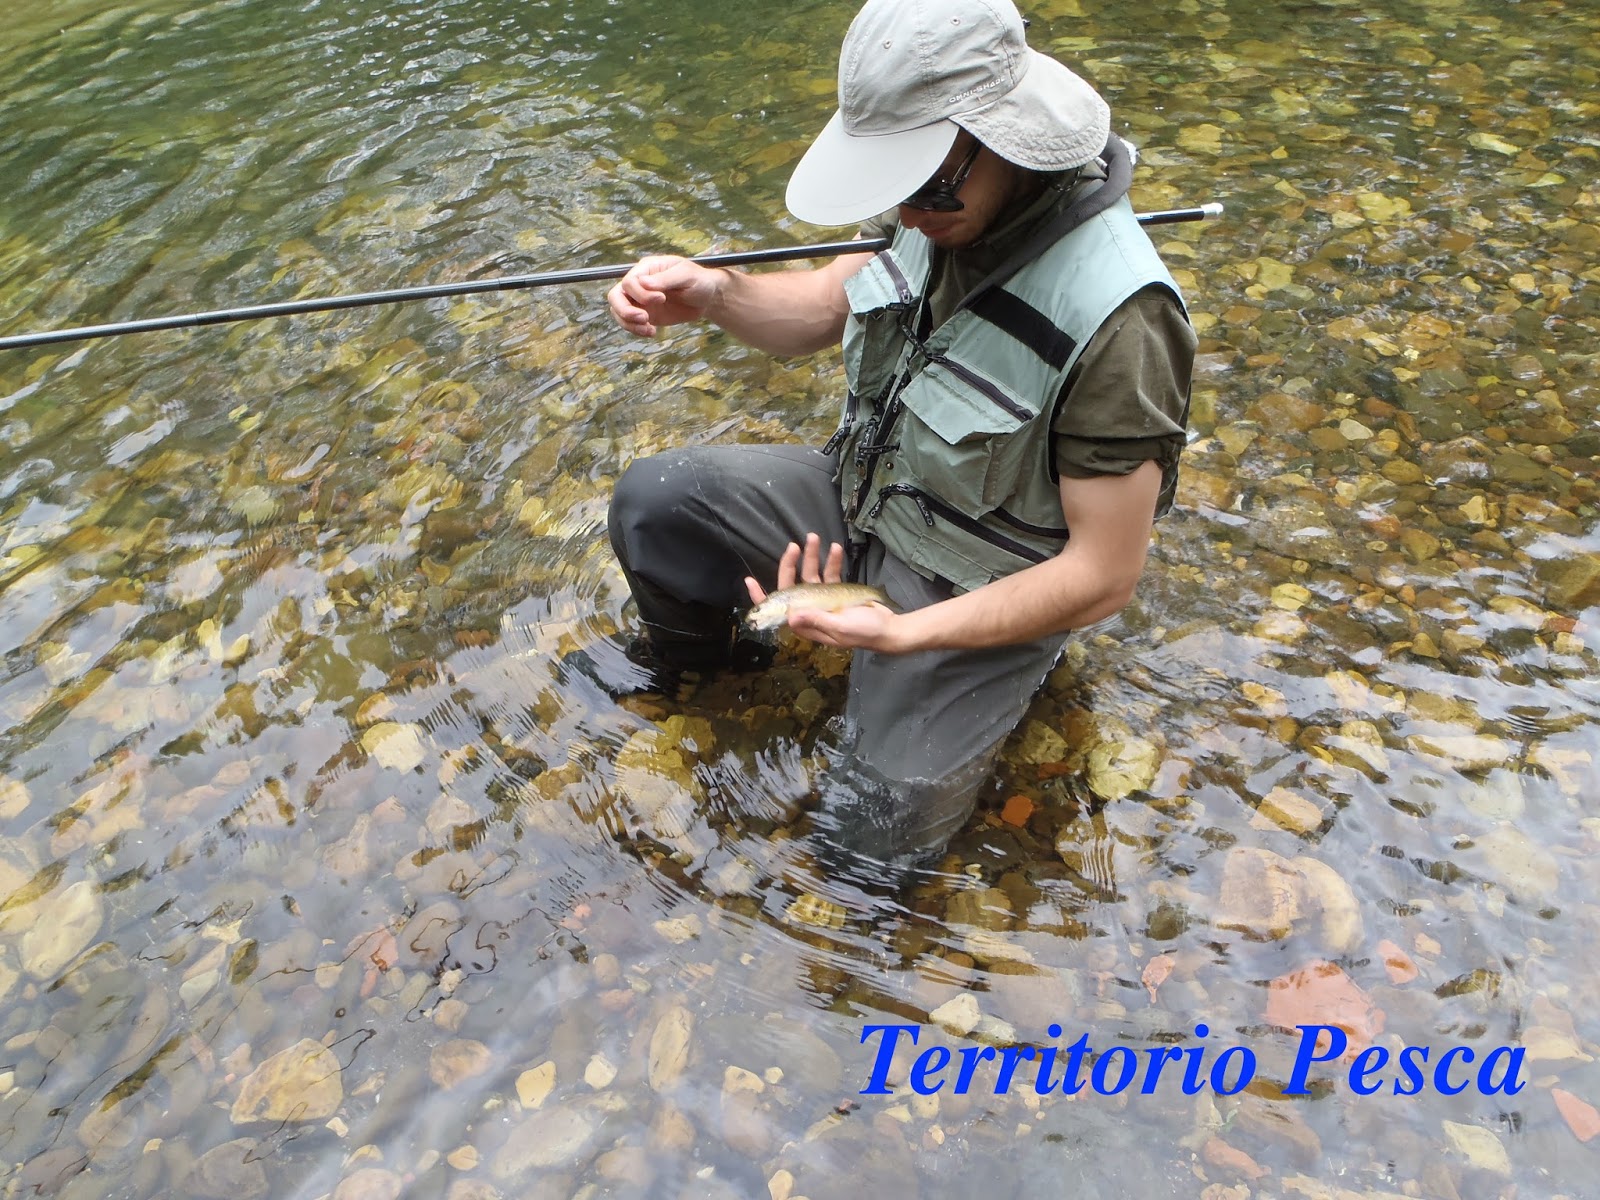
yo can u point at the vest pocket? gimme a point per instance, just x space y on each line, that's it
963 436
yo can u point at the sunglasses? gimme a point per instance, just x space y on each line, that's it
939 195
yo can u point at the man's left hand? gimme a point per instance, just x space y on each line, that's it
862 627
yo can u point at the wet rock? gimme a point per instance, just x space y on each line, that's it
370 1183
458 1060
472 1189
1205 489
981 908
960 1016
62 930
1399 965
991 949
679 930
302 1083
1280 411
1519 864
1464 752
1324 891
14 798
425 938
1479 1146
1320 993
1032 998
746 1127
1260 895
1581 1116
1359 745
47 1173
1419 545
1571 582
1040 744
599 1072
555 1137
671 1132
629 1165
816 912
109 1126
1551 1036
1279 1124
1231 1160
231 1171
395 746
534 1085
669 1048
1289 810
1120 768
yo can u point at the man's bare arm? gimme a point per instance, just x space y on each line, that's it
1094 577
791 312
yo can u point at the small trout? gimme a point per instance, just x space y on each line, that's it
829 597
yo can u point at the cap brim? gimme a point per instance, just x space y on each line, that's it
1051 121
844 179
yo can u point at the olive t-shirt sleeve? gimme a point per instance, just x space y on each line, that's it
1126 400
883 225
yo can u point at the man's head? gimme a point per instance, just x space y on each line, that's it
912 75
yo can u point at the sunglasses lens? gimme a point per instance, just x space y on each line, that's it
934 200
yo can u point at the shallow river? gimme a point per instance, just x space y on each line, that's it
321 873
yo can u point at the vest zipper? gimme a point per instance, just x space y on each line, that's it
901 284
839 435
929 505
971 377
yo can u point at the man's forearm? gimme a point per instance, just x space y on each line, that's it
1049 598
787 313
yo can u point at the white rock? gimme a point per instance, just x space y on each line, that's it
63 928
959 1015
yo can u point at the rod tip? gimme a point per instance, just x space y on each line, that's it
1211 209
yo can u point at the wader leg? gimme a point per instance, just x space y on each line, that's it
922 731
688 525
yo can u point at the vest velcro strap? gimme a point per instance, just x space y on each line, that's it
1015 316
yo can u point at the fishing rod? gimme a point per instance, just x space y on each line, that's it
289 308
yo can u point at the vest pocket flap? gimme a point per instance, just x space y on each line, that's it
878 285
959 404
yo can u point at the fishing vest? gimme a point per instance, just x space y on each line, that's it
945 450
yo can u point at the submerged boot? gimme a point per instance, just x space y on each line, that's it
647 664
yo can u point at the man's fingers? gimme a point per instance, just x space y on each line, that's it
757 595
835 569
809 571
787 565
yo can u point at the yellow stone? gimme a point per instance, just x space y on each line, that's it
1290 597
816 912
1488 141
302 1083
534 1084
1201 139
669 1047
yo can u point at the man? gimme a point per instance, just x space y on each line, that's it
1018 367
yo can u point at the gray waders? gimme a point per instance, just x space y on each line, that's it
921 730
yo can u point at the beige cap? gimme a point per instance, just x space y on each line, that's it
910 73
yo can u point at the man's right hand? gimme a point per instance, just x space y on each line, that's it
664 290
